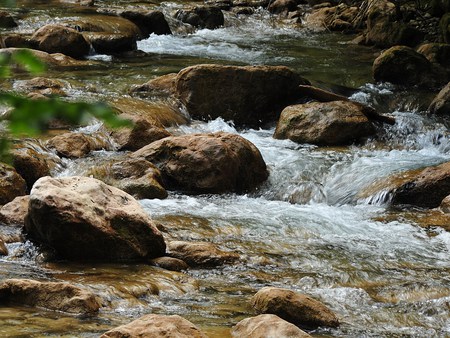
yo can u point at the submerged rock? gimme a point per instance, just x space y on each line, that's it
250 95
209 17
156 326
207 163
266 326
76 145
14 212
200 254
329 123
50 295
82 218
296 308
441 103
11 184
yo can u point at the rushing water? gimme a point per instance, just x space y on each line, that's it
321 224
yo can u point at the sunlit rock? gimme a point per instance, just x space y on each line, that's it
336 18
82 218
162 85
51 60
266 326
31 164
76 145
157 326
169 263
207 163
11 184
14 212
438 53
441 103
50 295
44 86
296 308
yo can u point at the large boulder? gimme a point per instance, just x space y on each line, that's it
14 212
82 218
296 308
31 164
324 123
427 189
149 22
404 66
266 326
441 103
209 17
162 85
250 95
60 39
11 184
156 326
207 163
50 295
438 53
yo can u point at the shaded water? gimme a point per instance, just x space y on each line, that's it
321 224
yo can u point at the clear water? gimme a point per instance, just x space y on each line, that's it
321 224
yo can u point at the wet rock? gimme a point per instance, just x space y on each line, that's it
282 6
441 103
30 164
11 184
157 326
169 263
137 177
50 295
200 254
296 308
251 3
328 123
60 39
336 18
266 326
243 10
56 60
75 145
224 5
250 95
139 135
107 43
149 22
207 163
201 17
162 85
445 205
6 20
17 40
3 248
82 218
427 189
404 66
44 86
438 53
14 212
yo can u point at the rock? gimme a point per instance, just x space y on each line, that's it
200 254
3 248
444 25
30 164
207 163
156 326
201 17
249 95
438 53
266 326
224 5
108 24
61 39
329 123
50 295
44 86
445 205
404 66
337 18
137 177
138 136
426 190
11 184
280 6
6 20
75 145
149 22
296 308
162 85
441 103
169 263
16 40
82 218
14 212
52 60
107 43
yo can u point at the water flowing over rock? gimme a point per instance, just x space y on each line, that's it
11 184
60 39
266 326
207 163
330 123
50 295
250 95
156 326
296 308
82 218
427 189
14 212
209 17
200 254
441 103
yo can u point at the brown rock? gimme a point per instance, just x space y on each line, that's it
6 20
201 254
53 296
280 6
445 205
82 218
336 18
209 17
109 43
44 86
169 263
162 85
30 164
207 163
149 22
427 189
75 145
16 40
138 136
52 60
156 326
60 39
3 248
250 95
296 308
11 184
436 53
441 103
329 123
14 212
266 326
